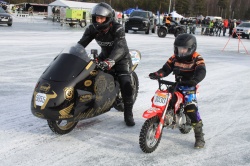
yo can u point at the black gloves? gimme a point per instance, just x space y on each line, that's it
188 83
106 64
154 76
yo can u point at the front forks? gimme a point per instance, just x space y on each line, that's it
161 123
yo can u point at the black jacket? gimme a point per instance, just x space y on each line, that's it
192 69
113 45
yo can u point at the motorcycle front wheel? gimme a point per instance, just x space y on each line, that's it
61 126
162 32
148 142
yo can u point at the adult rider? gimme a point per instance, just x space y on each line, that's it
110 36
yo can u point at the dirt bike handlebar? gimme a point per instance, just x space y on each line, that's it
169 83
165 82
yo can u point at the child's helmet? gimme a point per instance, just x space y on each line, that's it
184 46
105 10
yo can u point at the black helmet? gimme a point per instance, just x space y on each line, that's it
105 10
184 46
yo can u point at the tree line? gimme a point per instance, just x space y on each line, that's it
238 9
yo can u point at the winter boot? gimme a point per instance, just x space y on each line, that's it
128 114
198 133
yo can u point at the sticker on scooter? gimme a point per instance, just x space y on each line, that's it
40 99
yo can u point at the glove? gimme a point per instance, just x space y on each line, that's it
155 76
188 83
107 64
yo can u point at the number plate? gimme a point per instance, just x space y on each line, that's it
134 28
4 19
160 99
40 99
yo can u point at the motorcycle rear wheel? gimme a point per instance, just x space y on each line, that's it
148 142
61 126
119 105
186 128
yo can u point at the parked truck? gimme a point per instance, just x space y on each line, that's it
76 17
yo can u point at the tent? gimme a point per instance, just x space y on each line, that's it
201 17
36 7
130 10
69 4
174 14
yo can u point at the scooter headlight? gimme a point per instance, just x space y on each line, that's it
68 93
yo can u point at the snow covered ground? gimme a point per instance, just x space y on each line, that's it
29 46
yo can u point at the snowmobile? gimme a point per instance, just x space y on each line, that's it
74 87
167 111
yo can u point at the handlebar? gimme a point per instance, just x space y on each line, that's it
165 82
171 86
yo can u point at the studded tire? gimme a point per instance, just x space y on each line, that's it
61 126
148 142
186 128
162 32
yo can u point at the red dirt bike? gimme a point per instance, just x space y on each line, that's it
167 111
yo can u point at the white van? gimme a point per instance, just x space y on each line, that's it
214 18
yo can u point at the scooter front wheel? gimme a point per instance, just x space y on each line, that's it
61 126
148 142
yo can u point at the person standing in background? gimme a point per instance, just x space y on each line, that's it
225 26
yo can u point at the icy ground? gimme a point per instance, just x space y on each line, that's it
29 46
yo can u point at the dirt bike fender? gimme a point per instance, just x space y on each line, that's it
180 99
151 112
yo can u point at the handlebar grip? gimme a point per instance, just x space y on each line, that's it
166 82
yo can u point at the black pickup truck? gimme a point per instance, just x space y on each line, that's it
141 21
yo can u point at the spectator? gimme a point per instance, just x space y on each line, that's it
203 25
225 26
232 25
211 27
192 26
13 9
30 11
4 7
219 27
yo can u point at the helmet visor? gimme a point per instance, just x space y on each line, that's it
182 51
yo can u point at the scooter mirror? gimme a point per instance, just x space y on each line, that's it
94 52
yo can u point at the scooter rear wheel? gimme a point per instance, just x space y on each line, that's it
61 126
148 142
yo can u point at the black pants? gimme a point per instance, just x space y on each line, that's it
123 71
224 31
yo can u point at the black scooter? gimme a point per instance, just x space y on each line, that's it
74 87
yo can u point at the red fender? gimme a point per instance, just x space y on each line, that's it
180 99
151 112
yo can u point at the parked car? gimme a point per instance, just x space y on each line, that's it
243 29
141 21
5 18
